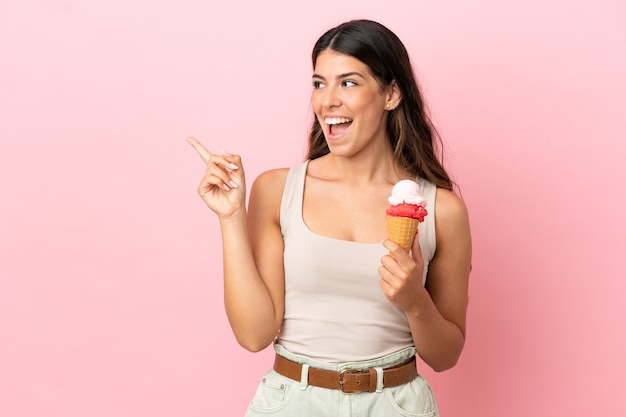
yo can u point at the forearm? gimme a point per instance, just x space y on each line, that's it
438 341
249 306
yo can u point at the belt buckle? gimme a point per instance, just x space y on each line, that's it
349 371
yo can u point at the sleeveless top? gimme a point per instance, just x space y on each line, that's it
335 310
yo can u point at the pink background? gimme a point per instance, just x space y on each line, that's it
110 264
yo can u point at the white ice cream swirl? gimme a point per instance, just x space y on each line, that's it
407 192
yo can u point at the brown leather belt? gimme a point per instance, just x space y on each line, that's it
349 380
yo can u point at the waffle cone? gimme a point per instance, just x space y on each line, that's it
402 230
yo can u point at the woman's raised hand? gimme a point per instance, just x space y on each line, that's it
223 186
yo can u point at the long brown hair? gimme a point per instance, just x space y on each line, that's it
414 140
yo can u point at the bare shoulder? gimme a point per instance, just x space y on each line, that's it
267 189
451 219
274 179
449 206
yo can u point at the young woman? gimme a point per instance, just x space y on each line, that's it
304 266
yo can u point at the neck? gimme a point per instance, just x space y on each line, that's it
372 166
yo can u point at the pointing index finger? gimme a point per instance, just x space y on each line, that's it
199 147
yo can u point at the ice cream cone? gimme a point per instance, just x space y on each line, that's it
402 230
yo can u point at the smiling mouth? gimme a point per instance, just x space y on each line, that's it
338 125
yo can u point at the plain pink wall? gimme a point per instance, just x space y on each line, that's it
110 265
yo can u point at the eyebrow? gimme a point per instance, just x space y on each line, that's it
340 76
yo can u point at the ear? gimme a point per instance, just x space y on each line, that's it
393 96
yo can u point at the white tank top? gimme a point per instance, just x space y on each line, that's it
335 310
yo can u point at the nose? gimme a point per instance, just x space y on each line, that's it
331 98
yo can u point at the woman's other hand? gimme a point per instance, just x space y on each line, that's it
223 186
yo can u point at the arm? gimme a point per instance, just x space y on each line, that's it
254 281
437 312
253 272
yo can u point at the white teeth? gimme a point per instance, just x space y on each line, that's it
336 120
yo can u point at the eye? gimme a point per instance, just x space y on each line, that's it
318 84
348 83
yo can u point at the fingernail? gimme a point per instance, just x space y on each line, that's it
230 164
233 184
226 187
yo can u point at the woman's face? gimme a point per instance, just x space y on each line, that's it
350 104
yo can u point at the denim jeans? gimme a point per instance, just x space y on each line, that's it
283 397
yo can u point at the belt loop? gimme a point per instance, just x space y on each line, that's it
304 377
379 379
